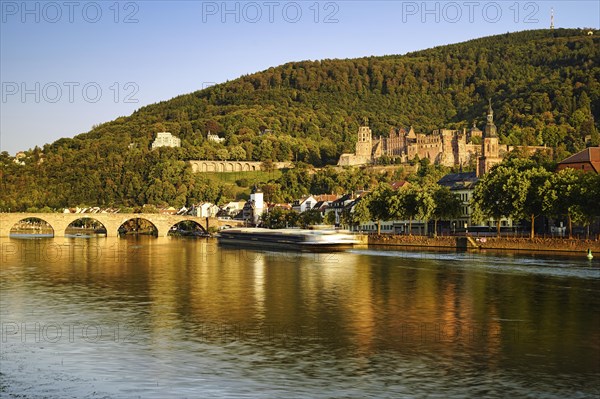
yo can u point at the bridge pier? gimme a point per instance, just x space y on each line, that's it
5 225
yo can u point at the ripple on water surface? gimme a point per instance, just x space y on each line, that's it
179 318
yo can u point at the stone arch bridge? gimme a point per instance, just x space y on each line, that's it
111 221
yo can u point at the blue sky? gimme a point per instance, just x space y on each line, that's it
66 66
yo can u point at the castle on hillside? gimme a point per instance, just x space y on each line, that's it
444 146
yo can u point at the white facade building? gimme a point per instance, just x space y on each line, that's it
165 139
234 207
304 204
215 138
206 210
256 197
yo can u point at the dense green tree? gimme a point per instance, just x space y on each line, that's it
330 218
310 217
359 214
532 175
277 218
222 154
408 200
267 165
589 199
426 208
500 193
237 153
574 194
533 205
379 202
447 206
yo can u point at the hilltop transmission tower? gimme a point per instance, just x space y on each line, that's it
552 18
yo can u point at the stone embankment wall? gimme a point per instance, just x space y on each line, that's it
537 244
542 244
412 241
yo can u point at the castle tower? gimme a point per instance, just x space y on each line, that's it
364 145
489 145
446 156
460 148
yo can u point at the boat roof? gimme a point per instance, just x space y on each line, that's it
260 230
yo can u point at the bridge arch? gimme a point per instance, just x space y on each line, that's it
187 227
86 226
136 226
31 226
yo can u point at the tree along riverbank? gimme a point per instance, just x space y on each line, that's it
509 243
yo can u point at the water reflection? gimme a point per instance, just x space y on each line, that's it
166 316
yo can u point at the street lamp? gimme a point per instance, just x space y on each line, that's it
466 231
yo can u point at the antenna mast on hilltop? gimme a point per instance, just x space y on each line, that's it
552 18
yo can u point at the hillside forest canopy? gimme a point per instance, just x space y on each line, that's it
544 86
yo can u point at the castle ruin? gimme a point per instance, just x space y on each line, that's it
444 146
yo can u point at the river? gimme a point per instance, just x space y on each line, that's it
168 317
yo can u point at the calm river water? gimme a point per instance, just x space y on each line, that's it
159 318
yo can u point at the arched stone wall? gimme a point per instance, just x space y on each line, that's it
232 166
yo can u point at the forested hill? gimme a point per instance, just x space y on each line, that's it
536 79
544 86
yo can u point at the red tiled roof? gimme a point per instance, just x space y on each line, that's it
589 155
398 184
326 197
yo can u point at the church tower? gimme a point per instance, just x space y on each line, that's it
489 145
